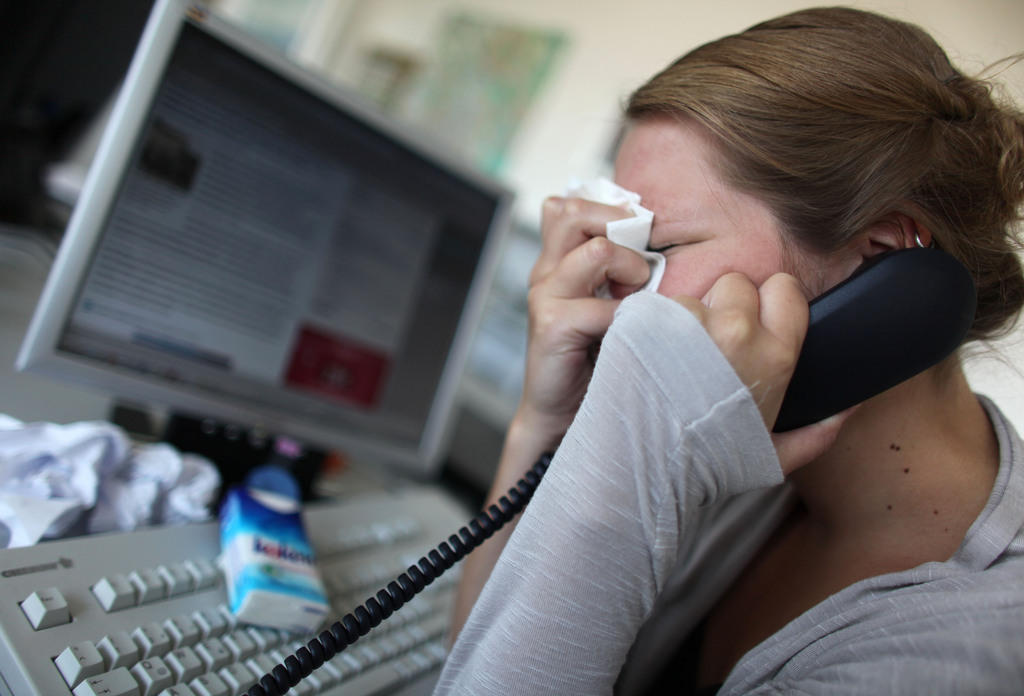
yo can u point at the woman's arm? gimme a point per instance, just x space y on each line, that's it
523 446
666 427
565 322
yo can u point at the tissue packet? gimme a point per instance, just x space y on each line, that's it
270 570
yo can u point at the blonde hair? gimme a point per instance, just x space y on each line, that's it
837 117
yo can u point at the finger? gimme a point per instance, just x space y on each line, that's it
566 223
587 318
784 311
733 292
802 446
696 307
732 321
590 265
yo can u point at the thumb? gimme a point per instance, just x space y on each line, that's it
803 445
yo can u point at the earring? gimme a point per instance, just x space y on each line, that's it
917 240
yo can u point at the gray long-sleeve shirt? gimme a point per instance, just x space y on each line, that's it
664 487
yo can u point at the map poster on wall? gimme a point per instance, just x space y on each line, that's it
486 74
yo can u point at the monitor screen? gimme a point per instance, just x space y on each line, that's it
253 244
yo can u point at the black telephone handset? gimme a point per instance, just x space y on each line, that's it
898 315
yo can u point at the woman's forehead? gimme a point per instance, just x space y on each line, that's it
671 164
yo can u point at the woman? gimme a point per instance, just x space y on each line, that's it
675 545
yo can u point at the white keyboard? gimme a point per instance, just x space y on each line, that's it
145 614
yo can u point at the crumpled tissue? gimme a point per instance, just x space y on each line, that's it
87 477
633 232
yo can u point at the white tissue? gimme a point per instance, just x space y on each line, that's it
632 232
58 480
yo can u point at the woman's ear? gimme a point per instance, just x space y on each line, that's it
895 231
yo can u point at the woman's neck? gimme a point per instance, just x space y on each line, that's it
918 460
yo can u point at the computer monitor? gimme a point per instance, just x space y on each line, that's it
255 245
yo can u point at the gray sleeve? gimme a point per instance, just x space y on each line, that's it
666 427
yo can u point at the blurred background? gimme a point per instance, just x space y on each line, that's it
528 91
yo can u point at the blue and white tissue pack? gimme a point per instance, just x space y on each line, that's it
269 567
633 232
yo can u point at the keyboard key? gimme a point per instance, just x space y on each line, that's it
210 622
260 664
403 639
182 630
238 677
240 645
153 676
407 667
148 585
185 664
418 633
46 608
114 592
152 639
210 685
387 647
117 682
176 579
178 690
204 574
353 663
78 661
367 655
264 638
119 650
214 654
380 679
229 618
289 648
329 674
436 649
341 666
422 659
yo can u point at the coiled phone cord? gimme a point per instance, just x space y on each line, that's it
390 599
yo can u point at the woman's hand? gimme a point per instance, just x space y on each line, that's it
566 321
760 331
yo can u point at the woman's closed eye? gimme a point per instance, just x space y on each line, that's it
661 249
678 244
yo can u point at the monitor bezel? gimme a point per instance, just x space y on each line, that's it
40 352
